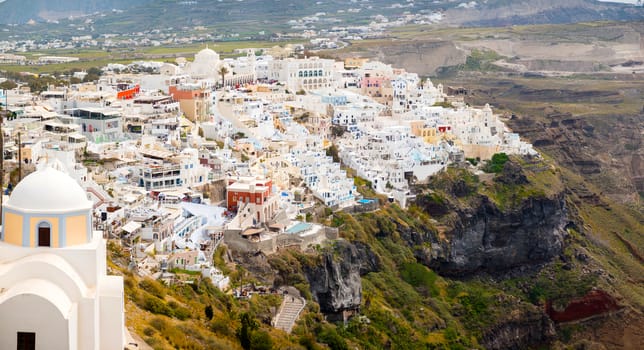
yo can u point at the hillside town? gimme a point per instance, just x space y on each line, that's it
243 151
362 174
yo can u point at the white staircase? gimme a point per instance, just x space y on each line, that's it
289 313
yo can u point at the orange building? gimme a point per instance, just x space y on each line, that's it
247 190
194 101
252 199
128 93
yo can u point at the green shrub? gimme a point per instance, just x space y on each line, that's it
474 302
337 220
222 326
481 60
495 165
443 104
159 324
148 331
304 290
178 311
260 340
420 277
153 287
156 305
330 337
566 285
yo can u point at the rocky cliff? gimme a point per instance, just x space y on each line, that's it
519 330
487 238
513 223
335 279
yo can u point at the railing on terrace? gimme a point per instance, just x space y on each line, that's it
187 225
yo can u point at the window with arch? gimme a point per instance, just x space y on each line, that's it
300 74
44 234
306 73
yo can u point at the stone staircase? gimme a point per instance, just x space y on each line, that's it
289 312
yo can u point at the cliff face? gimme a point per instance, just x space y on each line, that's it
520 330
485 238
335 281
517 218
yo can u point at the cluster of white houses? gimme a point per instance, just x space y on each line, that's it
235 150
388 124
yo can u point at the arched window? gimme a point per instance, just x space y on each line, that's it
44 234
306 73
300 74
320 73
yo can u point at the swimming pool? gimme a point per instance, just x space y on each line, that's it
299 228
365 201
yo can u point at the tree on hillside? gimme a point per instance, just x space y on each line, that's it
223 71
495 165
209 312
245 332
8 85
93 74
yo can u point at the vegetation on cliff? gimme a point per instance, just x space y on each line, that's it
381 267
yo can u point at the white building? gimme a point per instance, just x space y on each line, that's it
390 155
184 170
262 67
326 180
303 73
54 289
206 65
99 124
481 133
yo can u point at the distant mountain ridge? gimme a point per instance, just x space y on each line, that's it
20 11
139 15
502 13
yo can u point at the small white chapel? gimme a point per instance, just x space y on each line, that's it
55 293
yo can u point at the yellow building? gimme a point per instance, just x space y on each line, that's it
58 218
429 135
